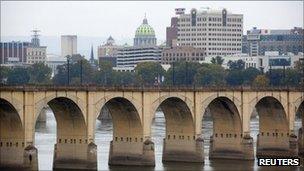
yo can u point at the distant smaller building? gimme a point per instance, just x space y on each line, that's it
182 53
259 41
131 56
108 52
271 60
36 54
53 61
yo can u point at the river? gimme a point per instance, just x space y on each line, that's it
45 138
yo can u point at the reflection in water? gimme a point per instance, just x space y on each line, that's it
46 137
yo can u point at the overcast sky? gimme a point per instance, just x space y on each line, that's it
120 19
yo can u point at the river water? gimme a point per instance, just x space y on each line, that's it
45 138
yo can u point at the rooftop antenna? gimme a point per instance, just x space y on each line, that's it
35 37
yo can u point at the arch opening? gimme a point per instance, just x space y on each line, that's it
299 126
179 142
222 123
122 125
64 131
12 143
273 137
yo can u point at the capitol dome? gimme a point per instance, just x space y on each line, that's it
145 35
144 29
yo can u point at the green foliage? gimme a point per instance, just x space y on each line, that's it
149 72
184 73
39 73
4 73
210 74
236 65
18 76
260 81
217 60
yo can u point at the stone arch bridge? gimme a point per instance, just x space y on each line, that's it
132 111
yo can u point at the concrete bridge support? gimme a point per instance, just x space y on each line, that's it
227 141
72 150
180 143
274 139
13 150
128 146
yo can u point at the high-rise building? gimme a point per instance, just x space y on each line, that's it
13 52
217 32
171 33
145 35
68 45
258 41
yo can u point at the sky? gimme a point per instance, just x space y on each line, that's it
121 18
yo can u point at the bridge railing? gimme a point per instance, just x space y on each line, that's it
92 87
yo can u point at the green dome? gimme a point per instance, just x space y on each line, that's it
145 29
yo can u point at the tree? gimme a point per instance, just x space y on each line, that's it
4 73
105 75
210 74
234 77
236 65
40 73
249 75
184 73
18 75
61 77
148 72
217 60
261 81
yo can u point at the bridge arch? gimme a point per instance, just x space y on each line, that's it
273 137
125 117
300 113
42 103
226 140
178 115
127 144
11 134
71 125
179 143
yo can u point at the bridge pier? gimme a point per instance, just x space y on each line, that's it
183 149
75 156
132 153
301 143
18 157
226 146
277 145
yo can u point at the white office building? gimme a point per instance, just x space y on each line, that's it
68 45
217 32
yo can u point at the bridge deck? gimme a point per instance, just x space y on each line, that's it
143 88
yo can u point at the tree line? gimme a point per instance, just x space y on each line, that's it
152 74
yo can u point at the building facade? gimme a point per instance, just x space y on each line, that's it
108 51
271 60
145 35
182 53
36 54
131 56
68 45
258 41
53 61
217 32
171 33
13 52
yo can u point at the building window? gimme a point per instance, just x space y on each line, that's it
193 17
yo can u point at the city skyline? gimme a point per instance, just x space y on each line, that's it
109 18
